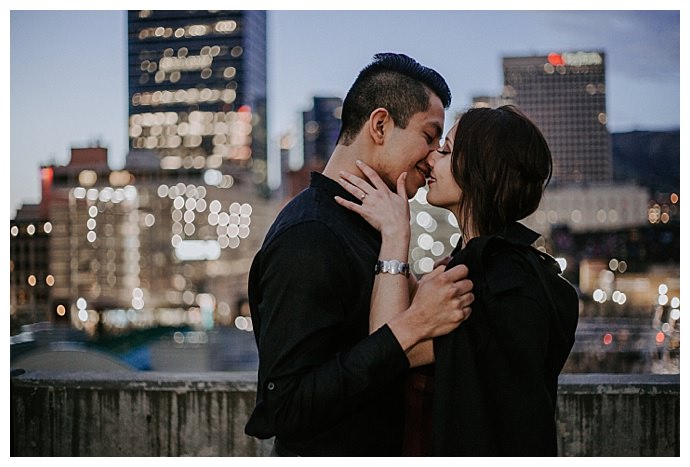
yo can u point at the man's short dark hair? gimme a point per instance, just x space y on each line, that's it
395 82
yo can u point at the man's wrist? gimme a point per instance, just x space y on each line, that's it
405 329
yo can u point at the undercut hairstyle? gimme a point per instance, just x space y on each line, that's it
502 164
395 82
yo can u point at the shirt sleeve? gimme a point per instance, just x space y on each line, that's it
308 379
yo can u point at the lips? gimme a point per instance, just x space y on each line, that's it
424 170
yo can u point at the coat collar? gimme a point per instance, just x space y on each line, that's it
514 232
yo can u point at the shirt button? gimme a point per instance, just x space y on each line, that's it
271 386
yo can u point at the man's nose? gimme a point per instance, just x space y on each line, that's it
431 159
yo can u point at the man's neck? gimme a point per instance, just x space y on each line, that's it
344 159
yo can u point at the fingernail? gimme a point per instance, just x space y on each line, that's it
358 162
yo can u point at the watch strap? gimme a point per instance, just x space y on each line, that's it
392 266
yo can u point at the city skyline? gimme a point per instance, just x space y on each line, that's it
144 248
643 85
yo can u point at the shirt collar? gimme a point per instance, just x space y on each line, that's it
319 180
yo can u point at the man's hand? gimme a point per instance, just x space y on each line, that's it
441 303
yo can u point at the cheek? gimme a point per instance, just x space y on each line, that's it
416 150
444 169
449 183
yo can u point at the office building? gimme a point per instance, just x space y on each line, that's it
565 95
592 208
30 275
197 89
143 247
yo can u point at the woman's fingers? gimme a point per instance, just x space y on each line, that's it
371 174
361 184
401 191
349 205
361 188
442 262
355 185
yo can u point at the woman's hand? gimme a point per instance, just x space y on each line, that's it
386 211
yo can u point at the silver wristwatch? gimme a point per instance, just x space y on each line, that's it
392 266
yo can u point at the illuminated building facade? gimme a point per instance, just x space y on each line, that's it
30 273
592 208
169 239
197 89
143 247
565 95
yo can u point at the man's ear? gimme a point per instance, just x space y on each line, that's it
378 125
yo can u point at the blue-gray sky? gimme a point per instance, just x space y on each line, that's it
68 83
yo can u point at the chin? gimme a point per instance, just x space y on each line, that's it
430 200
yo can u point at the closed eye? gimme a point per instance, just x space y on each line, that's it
445 149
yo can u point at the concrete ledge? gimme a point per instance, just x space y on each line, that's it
612 383
203 414
133 414
619 415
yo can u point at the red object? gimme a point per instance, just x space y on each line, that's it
555 59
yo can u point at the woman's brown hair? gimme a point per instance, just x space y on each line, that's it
502 164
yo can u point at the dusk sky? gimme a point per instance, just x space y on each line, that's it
68 81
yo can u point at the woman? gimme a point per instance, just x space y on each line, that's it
495 377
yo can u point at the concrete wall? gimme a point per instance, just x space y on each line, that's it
133 414
203 414
619 415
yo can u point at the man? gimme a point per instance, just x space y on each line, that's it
327 387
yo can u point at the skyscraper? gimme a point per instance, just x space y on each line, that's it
197 89
565 95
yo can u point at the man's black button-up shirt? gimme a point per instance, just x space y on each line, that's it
326 387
